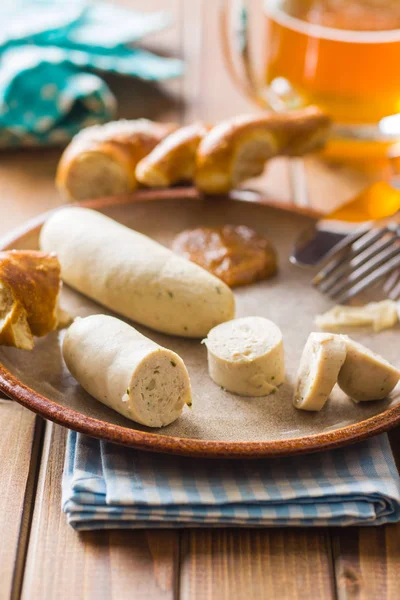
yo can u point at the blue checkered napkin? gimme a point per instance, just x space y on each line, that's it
107 486
52 57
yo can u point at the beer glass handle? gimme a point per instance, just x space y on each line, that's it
238 35
248 82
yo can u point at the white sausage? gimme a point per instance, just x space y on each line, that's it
123 369
366 375
134 275
320 363
245 356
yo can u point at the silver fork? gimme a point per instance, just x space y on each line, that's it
392 286
362 259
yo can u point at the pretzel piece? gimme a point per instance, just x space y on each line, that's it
238 148
173 159
30 284
101 160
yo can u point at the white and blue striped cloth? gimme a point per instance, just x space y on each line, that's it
107 486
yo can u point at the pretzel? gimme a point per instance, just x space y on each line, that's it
101 160
113 158
29 289
238 148
173 159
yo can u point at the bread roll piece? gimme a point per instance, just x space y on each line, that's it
173 159
245 356
125 370
30 285
238 148
134 275
322 358
366 375
101 160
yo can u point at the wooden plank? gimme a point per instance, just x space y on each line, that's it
114 565
367 559
60 562
367 563
224 563
26 185
20 446
229 564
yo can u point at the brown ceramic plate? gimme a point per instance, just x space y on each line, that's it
219 424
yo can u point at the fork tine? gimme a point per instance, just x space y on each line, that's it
395 295
371 237
338 255
391 282
367 268
326 272
385 269
355 263
355 246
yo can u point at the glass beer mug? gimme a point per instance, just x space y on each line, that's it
341 55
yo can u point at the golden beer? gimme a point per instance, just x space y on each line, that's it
343 55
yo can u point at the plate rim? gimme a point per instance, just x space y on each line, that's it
156 442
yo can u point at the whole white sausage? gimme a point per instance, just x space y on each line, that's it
134 275
125 370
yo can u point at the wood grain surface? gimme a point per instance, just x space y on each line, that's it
367 562
196 564
269 563
20 444
63 564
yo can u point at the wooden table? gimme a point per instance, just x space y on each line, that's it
41 557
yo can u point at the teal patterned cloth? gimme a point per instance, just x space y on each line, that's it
52 55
